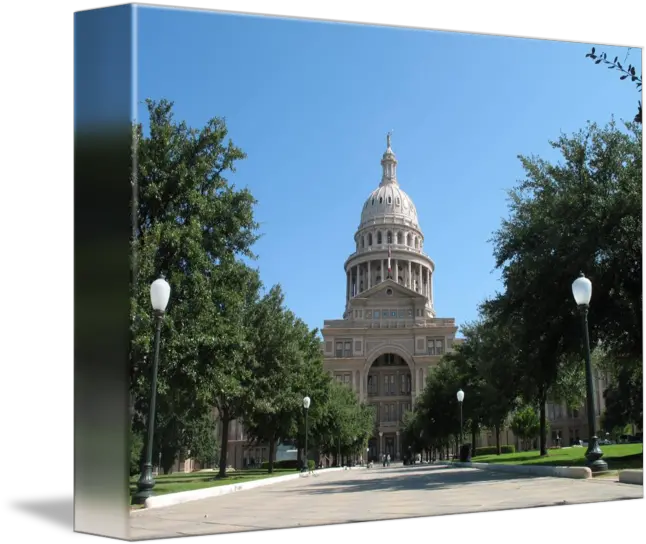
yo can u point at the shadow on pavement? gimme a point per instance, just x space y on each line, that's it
59 511
408 480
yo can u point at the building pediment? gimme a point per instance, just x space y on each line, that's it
386 291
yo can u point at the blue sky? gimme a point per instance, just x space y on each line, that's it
310 103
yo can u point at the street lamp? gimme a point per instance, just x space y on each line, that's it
460 399
582 291
367 457
306 404
159 295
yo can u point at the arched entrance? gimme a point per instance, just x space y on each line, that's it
390 391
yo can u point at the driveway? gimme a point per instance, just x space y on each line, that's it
368 495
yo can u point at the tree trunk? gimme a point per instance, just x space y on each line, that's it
543 426
224 444
272 453
473 438
498 450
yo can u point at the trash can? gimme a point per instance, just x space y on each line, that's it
465 453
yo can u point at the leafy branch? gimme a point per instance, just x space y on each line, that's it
629 72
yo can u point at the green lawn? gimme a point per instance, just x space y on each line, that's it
618 457
180 481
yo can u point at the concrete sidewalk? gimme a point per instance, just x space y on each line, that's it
371 494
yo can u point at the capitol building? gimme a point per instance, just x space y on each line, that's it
389 335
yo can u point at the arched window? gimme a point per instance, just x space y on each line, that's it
399 237
390 200
363 242
397 201
389 237
409 240
379 238
416 243
370 238
381 200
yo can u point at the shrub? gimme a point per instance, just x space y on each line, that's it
285 464
491 450
311 465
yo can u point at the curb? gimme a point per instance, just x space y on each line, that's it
578 473
635 477
172 499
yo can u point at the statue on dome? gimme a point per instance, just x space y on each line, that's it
388 135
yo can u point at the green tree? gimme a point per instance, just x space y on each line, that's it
190 224
525 424
278 388
202 441
583 213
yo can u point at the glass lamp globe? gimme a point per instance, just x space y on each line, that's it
159 294
582 290
306 402
460 395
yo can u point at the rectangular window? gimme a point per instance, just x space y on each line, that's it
439 347
401 313
393 313
339 349
347 349
431 347
393 391
368 314
385 391
384 314
403 384
376 314
410 313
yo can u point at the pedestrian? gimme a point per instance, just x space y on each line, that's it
388 460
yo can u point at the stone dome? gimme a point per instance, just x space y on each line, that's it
388 201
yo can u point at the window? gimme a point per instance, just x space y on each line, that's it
346 379
410 313
397 201
344 348
368 314
370 238
435 346
381 200
393 391
401 313
403 384
363 242
393 313
379 237
399 238
389 292
385 389
389 237
409 240
384 314
390 200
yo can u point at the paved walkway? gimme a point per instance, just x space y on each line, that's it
368 495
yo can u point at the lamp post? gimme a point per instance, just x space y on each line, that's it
367 457
582 291
460 399
381 452
159 295
306 405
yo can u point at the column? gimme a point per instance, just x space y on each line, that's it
410 280
397 446
369 276
396 272
347 285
